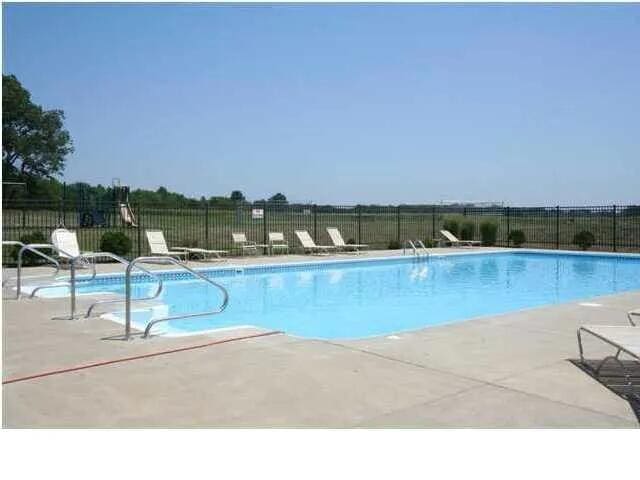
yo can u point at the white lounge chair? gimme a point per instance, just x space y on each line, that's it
240 240
340 244
624 339
277 242
69 248
158 246
309 245
453 240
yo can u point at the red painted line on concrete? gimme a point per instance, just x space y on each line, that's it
137 357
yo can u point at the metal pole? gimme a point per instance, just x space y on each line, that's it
398 223
206 223
19 275
615 242
264 223
139 233
557 227
433 222
508 227
72 281
127 290
64 203
315 222
359 209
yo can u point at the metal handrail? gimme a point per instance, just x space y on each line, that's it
410 244
18 278
119 300
421 245
132 264
33 247
72 277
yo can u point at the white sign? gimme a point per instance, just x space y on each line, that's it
257 213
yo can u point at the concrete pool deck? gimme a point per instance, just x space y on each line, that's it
512 370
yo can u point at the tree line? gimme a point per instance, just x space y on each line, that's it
35 147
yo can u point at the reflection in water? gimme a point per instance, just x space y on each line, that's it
584 269
380 298
517 265
489 270
419 273
335 276
276 281
305 278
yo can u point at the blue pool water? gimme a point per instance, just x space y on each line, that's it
362 299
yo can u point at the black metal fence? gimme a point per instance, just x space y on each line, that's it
615 228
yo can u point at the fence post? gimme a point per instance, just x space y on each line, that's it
64 204
315 222
206 224
398 222
433 223
615 239
264 222
557 227
508 226
359 209
139 230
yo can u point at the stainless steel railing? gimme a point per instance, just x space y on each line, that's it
18 278
120 300
414 247
409 243
150 325
424 249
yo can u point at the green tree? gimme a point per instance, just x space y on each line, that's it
237 196
279 199
34 142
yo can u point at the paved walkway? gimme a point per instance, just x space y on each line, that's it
511 370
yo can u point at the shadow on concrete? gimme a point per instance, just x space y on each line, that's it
621 378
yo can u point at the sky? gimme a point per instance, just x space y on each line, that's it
521 104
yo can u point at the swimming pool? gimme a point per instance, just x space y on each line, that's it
363 298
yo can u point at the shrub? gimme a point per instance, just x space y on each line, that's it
488 233
584 239
351 241
30 258
394 245
467 230
429 243
115 242
452 224
190 243
517 237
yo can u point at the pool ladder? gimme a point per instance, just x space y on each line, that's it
165 260
71 281
416 246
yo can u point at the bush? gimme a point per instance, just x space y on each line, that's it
467 230
584 239
30 258
115 242
452 224
190 243
351 241
488 233
429 243
517 237
394 245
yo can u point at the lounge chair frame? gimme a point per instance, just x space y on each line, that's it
240 239
341 245
309 245
453 240
595 331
